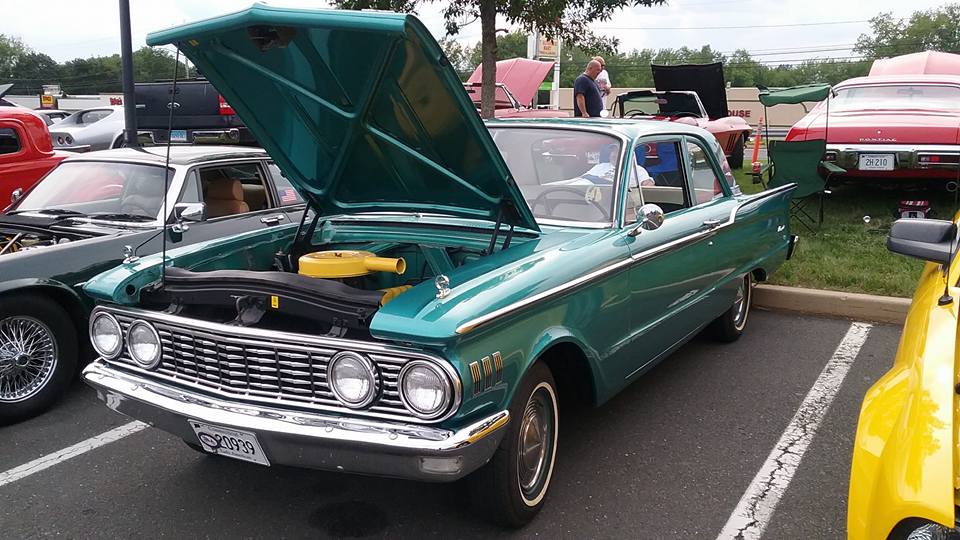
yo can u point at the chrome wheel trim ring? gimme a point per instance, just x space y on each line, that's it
28 358
741 305
537 444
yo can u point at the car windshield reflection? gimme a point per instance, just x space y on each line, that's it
99 190
564 174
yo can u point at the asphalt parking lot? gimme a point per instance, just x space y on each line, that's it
670 457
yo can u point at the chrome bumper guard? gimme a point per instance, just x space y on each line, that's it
310 440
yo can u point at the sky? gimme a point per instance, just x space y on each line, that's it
68 29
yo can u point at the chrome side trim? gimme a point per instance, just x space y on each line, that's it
472 324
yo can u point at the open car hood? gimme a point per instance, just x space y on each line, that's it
361 110
704 79
521 76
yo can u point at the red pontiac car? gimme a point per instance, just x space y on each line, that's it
902 121
26 152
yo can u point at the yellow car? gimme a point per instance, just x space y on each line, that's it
905 475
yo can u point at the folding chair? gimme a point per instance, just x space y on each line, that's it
799 162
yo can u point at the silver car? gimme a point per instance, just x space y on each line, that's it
99 128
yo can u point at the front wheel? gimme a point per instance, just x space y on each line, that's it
511 488
729 326
38 356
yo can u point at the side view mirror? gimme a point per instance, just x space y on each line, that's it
649 218
926 239
16 195
188 212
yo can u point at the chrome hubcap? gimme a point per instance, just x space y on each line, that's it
28 358
536 443
742 303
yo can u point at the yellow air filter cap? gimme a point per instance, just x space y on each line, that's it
347 264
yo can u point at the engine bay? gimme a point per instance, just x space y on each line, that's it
14 242
332 292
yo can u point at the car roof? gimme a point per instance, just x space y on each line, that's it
179 155
627 127
919 78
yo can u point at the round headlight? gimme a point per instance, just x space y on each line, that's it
425 389
106 335
353 379
143 342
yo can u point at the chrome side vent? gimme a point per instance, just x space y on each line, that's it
486 373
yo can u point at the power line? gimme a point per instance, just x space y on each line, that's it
826 23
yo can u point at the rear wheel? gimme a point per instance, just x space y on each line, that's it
38 355
736 156
511 488
729 326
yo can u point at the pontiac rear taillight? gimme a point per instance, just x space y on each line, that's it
225 108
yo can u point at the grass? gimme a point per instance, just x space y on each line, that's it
849 254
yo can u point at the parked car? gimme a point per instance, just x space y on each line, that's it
903 479
90 213
695 94
200 114
99 128
455 286
902 121
518 80
26 153
52 116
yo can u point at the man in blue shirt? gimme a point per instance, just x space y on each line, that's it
586 94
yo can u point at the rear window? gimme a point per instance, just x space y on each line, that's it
9 141
897 96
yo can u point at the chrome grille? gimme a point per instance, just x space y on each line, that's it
273 371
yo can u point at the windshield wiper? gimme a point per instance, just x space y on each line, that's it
120 216
54 211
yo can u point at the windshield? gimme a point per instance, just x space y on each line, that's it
663 104
564 174
91 187
896 97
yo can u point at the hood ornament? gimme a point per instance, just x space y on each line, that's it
442 283
128 255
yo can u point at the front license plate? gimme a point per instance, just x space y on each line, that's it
178 135
229 442
876 162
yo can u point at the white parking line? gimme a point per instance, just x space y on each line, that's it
753 513
82 447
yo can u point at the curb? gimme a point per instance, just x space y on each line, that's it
846 305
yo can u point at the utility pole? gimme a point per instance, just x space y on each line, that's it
126 62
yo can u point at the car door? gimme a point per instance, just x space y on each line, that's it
287 197
672 265
239 197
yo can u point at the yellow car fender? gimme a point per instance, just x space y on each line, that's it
903 456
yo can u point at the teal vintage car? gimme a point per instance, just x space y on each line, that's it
453 286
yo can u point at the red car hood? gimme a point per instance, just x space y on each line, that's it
875 127
520 75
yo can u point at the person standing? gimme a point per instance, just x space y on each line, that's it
603 79
586 95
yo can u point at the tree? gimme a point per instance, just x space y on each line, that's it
11 50
564 19
934 29
33 70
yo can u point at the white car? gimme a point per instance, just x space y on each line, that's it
99 128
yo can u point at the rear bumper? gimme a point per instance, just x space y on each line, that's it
910 161
310 440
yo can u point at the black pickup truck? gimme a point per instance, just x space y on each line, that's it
200 114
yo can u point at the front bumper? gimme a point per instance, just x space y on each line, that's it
310 440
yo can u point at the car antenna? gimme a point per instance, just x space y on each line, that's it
946 298
166 170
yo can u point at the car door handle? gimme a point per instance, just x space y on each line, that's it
712 223
273 220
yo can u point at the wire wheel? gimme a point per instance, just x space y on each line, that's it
536 444
28 358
